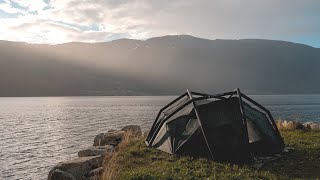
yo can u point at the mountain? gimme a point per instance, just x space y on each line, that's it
158 66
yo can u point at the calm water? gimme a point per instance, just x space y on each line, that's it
37 133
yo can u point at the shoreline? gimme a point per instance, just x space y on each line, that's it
89 164
90 161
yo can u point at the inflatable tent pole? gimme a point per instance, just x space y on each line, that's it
157 118
200 122
244 119
270 118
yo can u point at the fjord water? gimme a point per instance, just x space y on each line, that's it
38 132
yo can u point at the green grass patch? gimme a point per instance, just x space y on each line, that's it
136 161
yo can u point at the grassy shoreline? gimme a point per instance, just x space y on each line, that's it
135 161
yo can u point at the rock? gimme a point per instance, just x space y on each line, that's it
92 151
109 138
279 124
96 172
292 125
312 125
135 129
78 168
57 174
97 139
111 130
96 150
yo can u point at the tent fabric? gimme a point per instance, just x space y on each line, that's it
223 123
221 127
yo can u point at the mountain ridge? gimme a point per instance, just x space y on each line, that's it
158 66
182 36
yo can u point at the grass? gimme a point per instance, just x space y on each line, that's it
135 161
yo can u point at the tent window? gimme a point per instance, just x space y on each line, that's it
258 123
181 129
253 133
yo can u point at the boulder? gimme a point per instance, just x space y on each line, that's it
96 151
57 174
109 138
111 130
312 125
292 125
135 129
279 124
96 172
97 139
78 168
108 149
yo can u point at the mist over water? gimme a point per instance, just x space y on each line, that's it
38 132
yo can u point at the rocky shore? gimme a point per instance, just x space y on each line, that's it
294 125
89 164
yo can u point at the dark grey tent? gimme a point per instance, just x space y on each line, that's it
228 126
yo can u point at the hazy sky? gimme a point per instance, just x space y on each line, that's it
58 21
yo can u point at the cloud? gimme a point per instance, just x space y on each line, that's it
7 7
101 20
30 5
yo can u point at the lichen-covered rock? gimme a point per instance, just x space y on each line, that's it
96 150
57 174
312 125
109 138
78 168
134 129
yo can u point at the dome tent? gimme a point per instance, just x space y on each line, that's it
228 126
